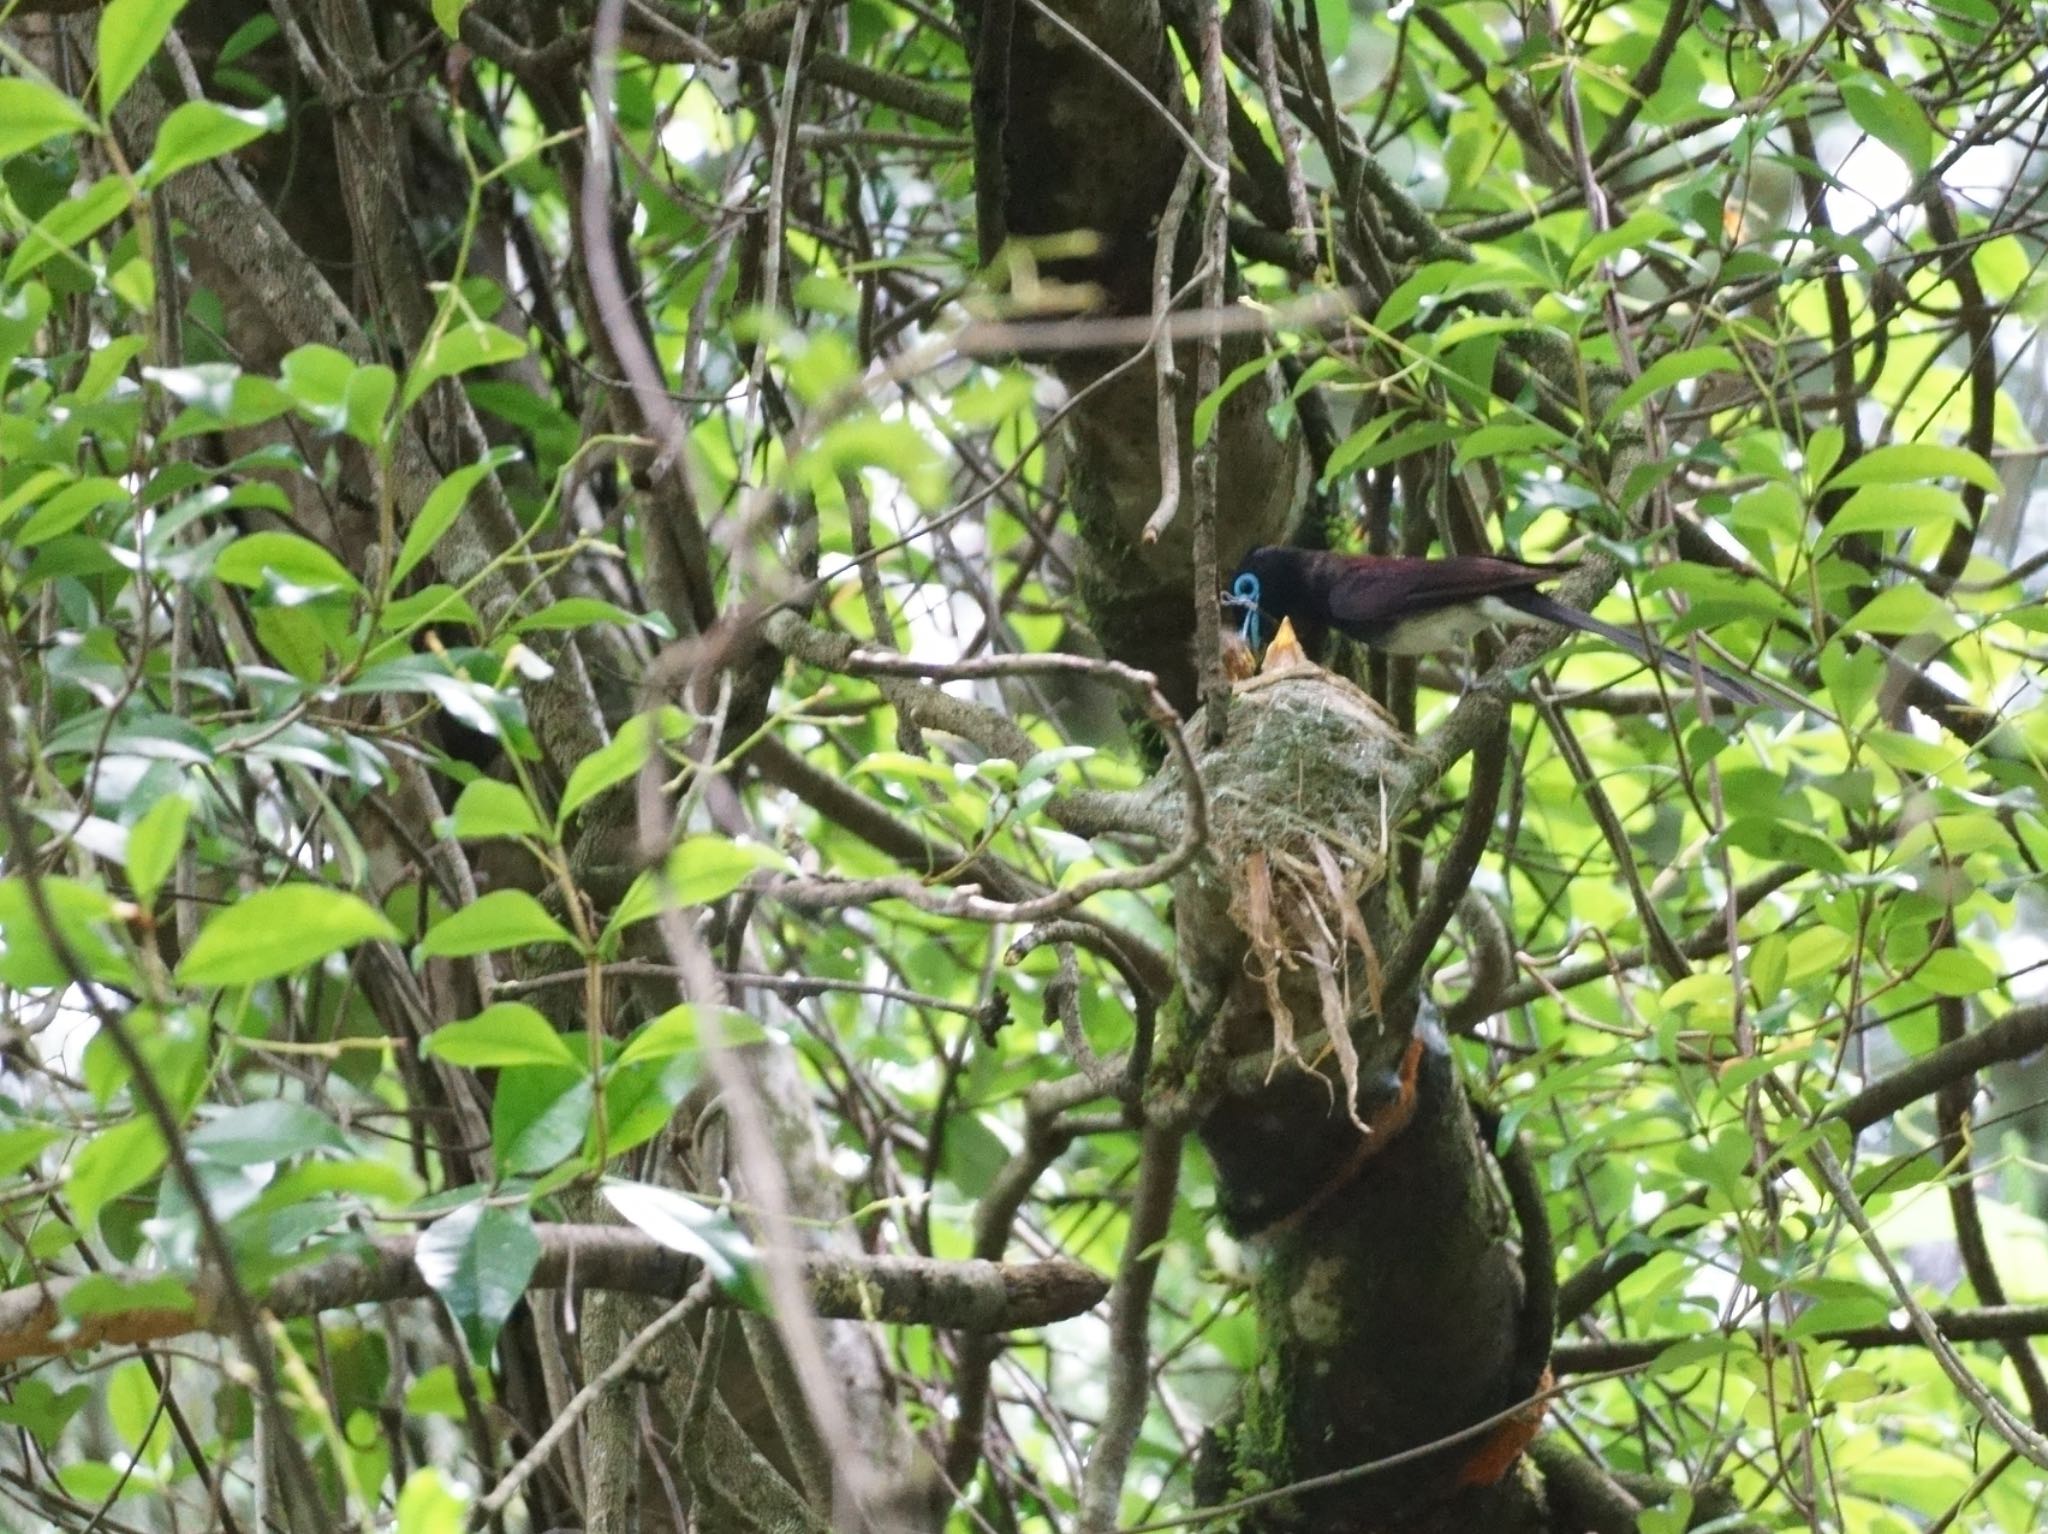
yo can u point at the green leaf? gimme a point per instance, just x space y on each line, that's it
276 931
431 1503
154 843
442 506
81 915
539 1115
1888 114
1369 446
65 225
487 808
1671 370
640 1100
22 312
203 130
478 1260
220 394
69 507
1634 235
448 16
509 1033
260 1133
21 1143
703 868
337 393
31 112
1909 609
38 1406
292 568
366 403
130 33
678 1031
1778 842
134 1408
1206 410
458 349
438 603
1955 972
115 1161
1506 437
474 704
682 1224
501 919
616 761
376 1184
576 613
1435 281
1899 463
1893 508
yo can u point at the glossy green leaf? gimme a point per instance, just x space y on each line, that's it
154 843
539 1116
683 1224
83 917
478 1260
130 33
1668 372
463 346
575 613
680 1031
259 1133
1955 972
31 112
69 507
431 1502
509 1033
70 223
499 920
113 1162
290 567
1909 609
702 869
202 130
624 755
441 507
487 808
276 931
1894 508
1900 463
1891 116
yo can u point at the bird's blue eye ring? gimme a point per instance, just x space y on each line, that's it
1245 593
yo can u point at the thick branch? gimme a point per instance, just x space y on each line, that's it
1988 1323
972 1296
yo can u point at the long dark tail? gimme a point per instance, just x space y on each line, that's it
1550 610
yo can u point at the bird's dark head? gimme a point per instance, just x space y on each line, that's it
1267 587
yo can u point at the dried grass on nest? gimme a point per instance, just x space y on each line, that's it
1299 849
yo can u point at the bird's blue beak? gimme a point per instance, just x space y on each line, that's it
1244 593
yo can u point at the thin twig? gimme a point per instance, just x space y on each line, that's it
1166 374
499 1497
1130 1312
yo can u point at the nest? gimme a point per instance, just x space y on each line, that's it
1300 834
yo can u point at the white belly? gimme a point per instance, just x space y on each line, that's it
1450 628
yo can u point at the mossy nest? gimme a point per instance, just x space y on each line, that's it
1300 832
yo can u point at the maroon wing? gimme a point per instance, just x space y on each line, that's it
1372 594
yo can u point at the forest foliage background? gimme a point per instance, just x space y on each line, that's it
603 915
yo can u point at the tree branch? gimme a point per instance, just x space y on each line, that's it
69 1314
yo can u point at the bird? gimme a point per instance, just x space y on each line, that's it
1414 606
